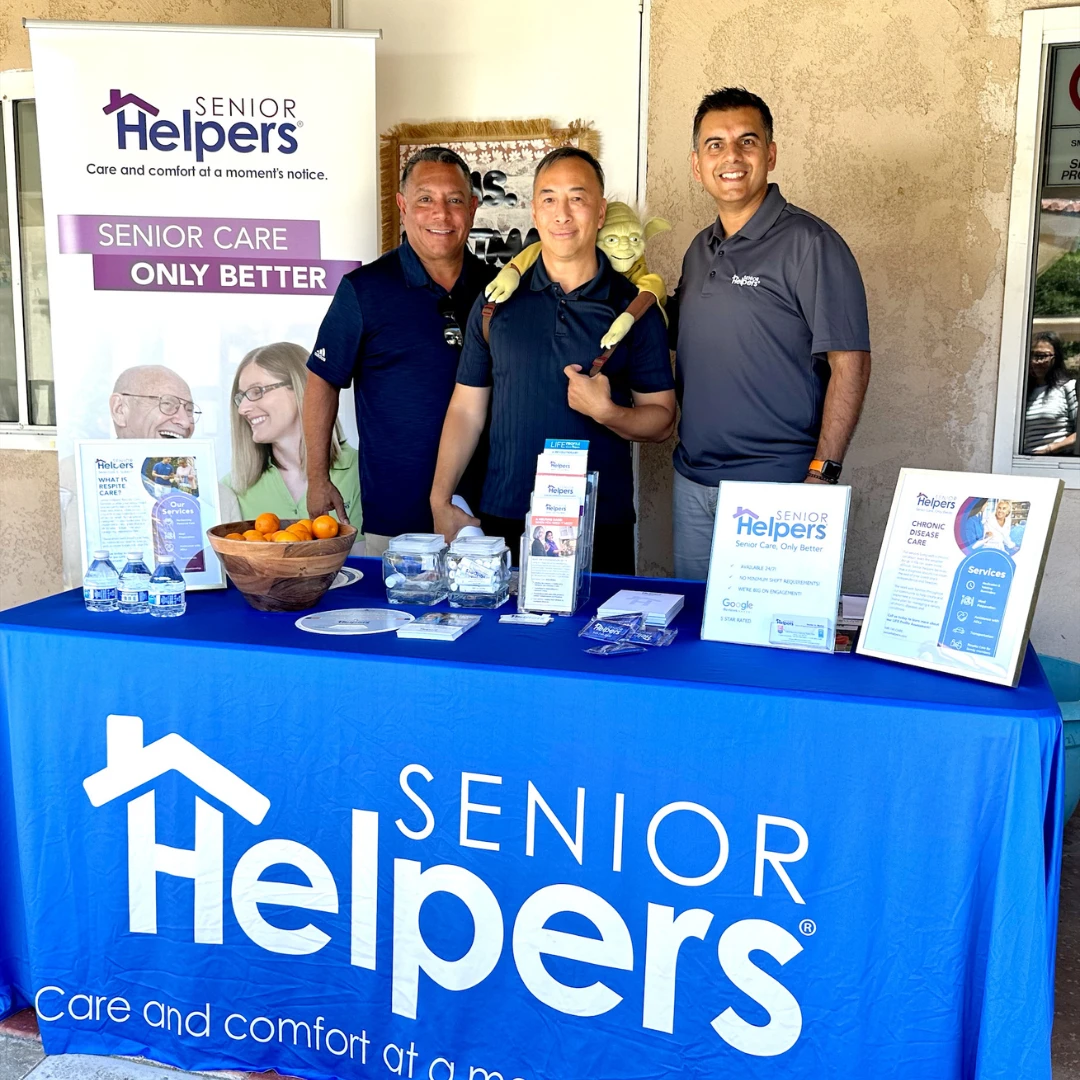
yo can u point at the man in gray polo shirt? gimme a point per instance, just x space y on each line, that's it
770 330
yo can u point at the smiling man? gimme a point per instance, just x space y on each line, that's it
152 402
394 330
533 372
770 329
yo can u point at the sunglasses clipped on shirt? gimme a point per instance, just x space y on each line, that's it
451 333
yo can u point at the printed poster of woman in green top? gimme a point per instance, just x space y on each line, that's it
268 467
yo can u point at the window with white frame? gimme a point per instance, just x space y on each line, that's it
1039 372
27 401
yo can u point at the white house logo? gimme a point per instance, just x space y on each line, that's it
253 125
746 279
131 764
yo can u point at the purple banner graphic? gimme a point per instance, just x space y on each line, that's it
128 273
100 234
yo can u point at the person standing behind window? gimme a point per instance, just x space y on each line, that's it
1050 415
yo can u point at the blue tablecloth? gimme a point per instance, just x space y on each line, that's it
241 845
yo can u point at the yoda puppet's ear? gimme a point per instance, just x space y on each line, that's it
657 225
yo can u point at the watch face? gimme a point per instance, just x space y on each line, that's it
830 470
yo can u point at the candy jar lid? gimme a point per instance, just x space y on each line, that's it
418 544
478 545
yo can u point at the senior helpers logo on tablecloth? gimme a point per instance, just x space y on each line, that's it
202 201
411 970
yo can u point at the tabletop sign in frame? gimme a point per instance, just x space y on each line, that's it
959 572
776 565
154 495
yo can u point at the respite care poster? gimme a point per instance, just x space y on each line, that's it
959 572
205 189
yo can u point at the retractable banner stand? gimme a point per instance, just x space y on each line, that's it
205 189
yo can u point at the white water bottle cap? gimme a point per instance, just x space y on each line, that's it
134 556
101 554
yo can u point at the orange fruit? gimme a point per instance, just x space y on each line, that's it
324 527
267 523
298 533
254 534
234 536
303 522
282 537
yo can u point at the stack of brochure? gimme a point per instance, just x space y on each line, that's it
439 626
658 608
557 540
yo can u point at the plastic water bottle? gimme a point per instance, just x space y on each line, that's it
101 586
167 589
134 585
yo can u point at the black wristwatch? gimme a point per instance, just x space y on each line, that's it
829 471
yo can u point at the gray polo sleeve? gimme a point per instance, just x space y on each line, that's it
830 293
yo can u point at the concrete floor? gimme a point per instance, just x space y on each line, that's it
21 1057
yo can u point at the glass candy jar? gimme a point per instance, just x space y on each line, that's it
414 569
478 571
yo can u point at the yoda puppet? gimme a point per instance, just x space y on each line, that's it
622 239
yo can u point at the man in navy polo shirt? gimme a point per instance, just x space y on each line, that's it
394 330
770 329
534 373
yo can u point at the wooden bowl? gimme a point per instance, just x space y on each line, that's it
281 577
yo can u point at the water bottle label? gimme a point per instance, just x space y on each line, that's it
99 594
130 596
165 599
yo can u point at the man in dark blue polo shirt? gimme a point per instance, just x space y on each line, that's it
770 328
534 373
394 330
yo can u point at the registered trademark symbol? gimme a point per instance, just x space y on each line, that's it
808 928
299 123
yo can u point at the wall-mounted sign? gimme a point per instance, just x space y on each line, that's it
1063 151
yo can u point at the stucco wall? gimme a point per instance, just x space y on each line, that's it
30 564
894 123
15 46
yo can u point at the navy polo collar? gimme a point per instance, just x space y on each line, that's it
415 274
597 288
416 277
763 220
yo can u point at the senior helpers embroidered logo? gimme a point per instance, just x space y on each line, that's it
349 907
746 279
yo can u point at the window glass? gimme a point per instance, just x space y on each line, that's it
35 284
9 391
1050 392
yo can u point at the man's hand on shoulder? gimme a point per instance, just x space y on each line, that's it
589 396
322 497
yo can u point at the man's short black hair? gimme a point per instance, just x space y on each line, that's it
441 156
732 97
561 153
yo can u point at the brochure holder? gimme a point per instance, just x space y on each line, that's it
559 581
